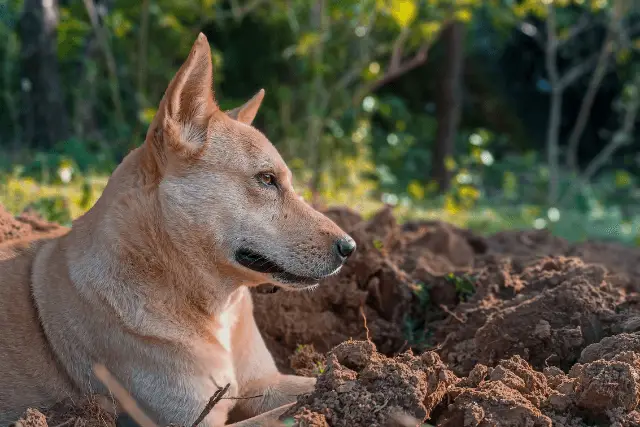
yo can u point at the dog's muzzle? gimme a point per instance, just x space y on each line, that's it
262 264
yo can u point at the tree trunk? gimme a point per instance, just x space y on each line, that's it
85 93
314 110
553 150
44 117
449 103
587 102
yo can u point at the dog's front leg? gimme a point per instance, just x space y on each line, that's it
266 419
264 395
261 387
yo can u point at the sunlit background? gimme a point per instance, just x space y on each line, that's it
489 114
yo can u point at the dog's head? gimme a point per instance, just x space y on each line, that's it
225 193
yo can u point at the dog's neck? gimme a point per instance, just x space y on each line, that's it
119 250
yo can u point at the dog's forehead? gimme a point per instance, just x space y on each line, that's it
261 154
246 144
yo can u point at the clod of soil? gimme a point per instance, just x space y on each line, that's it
492 404
611 347
620 419
604 385
361 387
510 396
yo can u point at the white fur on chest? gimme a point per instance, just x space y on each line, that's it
223 327
211 367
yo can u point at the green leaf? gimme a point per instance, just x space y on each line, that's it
403 12
430 29
378 244
306 43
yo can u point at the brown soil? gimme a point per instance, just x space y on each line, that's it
26 225
361 387
429 322
90 413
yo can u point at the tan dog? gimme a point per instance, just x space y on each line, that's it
152 281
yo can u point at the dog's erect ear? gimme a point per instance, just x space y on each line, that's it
247 112
188 103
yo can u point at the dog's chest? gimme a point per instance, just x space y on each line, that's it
223 327
217 351
214 371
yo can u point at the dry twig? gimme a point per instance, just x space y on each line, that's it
217 397
452 314
123 397
364 318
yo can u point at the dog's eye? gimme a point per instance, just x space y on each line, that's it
267 179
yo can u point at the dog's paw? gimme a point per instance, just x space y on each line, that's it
298 385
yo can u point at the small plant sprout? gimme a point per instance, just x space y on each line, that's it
464 285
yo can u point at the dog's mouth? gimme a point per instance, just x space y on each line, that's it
262 264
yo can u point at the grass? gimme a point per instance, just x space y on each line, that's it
75 198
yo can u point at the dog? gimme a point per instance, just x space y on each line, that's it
153 281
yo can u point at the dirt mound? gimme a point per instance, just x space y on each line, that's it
516 329
10 228
546 312
611 347
527 243
557 323
24 226
508 395
90 413
622 260
362 387
498 310
514 394
492 404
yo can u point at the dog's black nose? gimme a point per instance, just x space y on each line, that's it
346 246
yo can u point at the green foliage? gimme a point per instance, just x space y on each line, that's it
464 285
413 326
421 291
319 365
347 138
415 334
59 202
54 209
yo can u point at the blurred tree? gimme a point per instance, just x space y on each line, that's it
616 40
358 95
449 103
85 94
43 113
